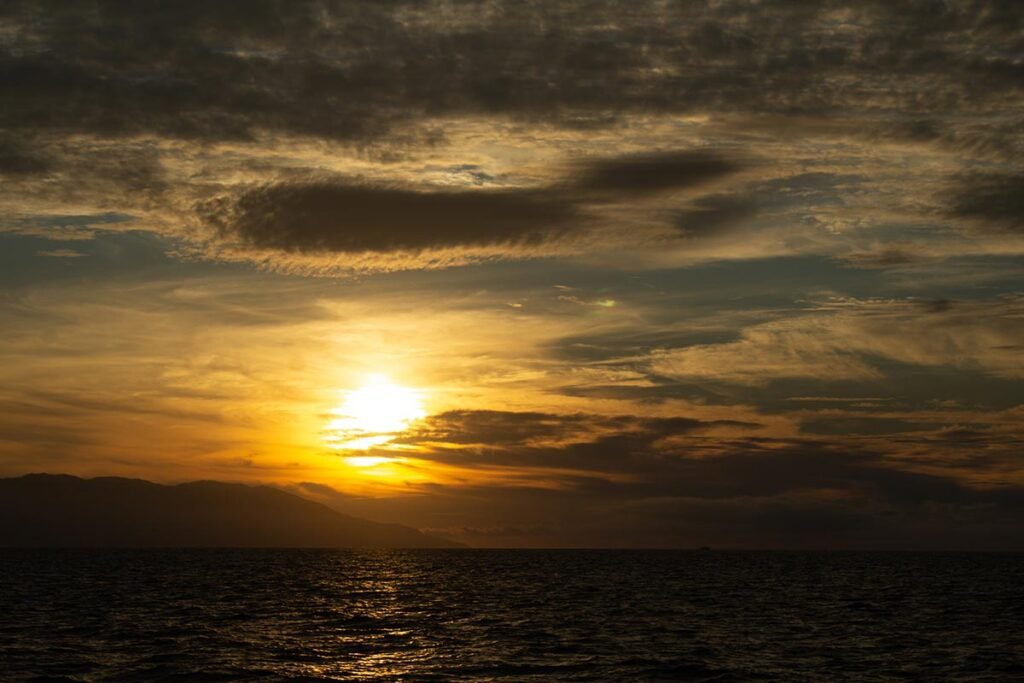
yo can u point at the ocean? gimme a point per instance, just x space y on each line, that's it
509 615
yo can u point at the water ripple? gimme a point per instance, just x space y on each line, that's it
427 615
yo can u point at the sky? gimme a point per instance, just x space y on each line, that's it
734 273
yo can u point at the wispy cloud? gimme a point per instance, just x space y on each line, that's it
844 340
61 253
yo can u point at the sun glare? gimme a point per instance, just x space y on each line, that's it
373 415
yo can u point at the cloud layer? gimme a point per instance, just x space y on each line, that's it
311 127
356 70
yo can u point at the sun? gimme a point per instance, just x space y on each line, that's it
372 415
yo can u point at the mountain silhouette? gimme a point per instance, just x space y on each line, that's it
46 510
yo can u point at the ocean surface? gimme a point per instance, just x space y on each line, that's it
480 615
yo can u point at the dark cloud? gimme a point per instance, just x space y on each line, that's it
502 429
997 199
714 214
588 443
355 70
19 159
889 257
644 173
334 216
836 426
965 434
625 480
938 305
498 428
346 216
669 456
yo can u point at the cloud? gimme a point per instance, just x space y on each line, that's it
655 172
18 159
786 198
498 428
353 217
358 70
995 199
714 214
591 445
502 429
582 478
61 253
150 112
885 257
341 217
843 342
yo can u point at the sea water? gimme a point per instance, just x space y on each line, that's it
515 615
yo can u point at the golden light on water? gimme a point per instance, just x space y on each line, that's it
373 415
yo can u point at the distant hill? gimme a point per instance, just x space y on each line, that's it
45 510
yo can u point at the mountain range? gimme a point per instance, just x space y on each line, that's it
47 510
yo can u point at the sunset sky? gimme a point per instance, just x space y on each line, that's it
739 273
